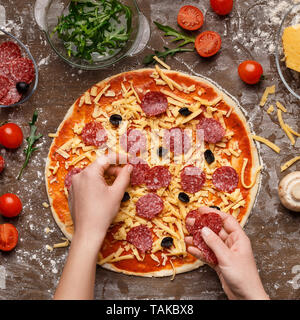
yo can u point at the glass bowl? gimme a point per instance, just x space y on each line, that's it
289 77
6 36
47 13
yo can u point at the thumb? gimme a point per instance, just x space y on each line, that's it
122 180
216 244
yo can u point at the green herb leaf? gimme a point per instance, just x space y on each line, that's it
163 54
174 33
31 140
94 27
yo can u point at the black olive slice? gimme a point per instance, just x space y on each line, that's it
115 119
167 242
22 87
215 207
185 112
209 156
183 197
161 151
126 197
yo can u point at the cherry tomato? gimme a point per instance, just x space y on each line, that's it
208 43
221 7
250 71
10 205
2 164
11 135
190 18
8 237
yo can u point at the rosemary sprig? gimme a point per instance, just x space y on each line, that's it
31 140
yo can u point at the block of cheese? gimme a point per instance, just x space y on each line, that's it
291 46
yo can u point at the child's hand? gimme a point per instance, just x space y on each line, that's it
93 203
236 265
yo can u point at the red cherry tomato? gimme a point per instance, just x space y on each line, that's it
208 43
250 71
11 135
2 164
8 237
10 205
190 18
221 7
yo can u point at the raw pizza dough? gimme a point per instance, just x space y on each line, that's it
102 100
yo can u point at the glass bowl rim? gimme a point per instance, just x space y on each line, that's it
277 52
35 68
93 67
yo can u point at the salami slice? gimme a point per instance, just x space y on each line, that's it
9 51
4 86
211 220
192 214
149 206
22 70
158 177
134 141
192 179
177 141
213 130
154 103
225 179
70 174
140 237
207 253
11 97
4 70
93 134
139 172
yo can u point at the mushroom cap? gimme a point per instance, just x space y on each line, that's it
289 191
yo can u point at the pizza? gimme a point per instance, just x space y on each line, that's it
153 116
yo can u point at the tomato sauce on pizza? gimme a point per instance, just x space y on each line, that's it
168 102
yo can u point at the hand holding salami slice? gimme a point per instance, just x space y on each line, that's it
211 220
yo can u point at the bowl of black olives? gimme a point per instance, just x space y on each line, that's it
18 71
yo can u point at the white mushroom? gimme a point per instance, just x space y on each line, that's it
289 191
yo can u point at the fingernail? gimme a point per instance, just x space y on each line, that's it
206 231
129 168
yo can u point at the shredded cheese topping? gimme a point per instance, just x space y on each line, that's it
172 220
267 142
284 128
243 175
289 163
268 90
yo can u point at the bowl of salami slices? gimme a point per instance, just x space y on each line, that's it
18 71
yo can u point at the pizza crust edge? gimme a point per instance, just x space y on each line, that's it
253 192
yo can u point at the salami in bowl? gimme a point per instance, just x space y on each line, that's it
18 71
